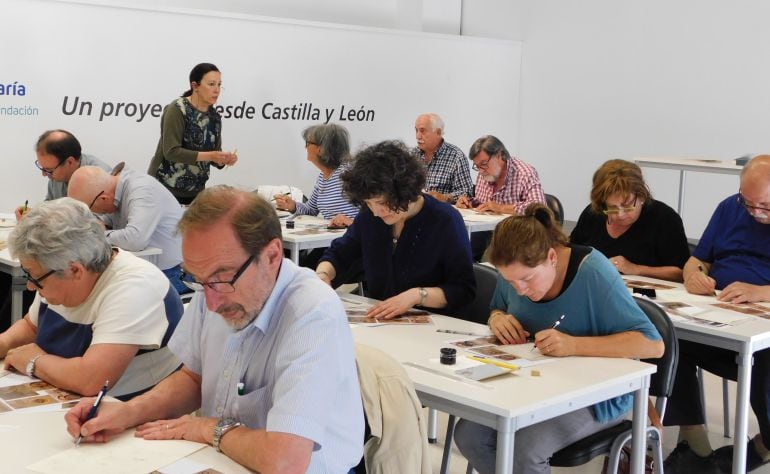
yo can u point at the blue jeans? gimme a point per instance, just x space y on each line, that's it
174 276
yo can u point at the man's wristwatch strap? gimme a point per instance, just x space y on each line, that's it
223 426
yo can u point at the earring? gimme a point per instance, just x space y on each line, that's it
553 264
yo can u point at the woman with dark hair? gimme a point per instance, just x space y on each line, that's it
328 148
544 280
191 137
415 249
640 236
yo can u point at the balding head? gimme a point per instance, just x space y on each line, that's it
755 188
88 181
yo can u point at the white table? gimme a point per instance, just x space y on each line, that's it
476 222
745 338
683 164
295 241
29 437
518 400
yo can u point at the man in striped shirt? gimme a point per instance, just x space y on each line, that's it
448 176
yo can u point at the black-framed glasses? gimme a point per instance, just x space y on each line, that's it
613 211
48 171
94 201
750 207
36 281
218 286
483 165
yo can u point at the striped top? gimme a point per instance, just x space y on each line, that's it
327 198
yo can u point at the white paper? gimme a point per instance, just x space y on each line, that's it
125 454
184 466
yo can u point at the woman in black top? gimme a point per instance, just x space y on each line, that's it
640 236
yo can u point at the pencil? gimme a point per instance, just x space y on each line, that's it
494 362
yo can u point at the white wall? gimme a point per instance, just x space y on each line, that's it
108 54
605 79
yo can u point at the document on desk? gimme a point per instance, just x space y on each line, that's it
125 454
19 392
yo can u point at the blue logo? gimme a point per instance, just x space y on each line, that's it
13 88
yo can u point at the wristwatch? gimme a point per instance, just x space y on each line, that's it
223 426
423 296
31 365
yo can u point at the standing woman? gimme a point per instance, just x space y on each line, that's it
544 279
640 236
191 137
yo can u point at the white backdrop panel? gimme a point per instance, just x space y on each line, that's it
109 55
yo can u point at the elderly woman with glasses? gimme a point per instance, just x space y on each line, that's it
640 236
100 314
328 149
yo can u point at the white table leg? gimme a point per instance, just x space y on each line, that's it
295 254
744 361
505 436
639 427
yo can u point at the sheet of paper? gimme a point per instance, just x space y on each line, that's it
125 454
186 466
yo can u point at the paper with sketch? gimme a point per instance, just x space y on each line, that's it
521 355
186 466
19 392
752 309
125 454
413 316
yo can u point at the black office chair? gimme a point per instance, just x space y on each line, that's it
478 312
611 440
555 205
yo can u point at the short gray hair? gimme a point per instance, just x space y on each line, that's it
333 140
489 144
436 122
58 233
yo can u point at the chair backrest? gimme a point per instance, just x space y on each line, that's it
478 309
662 382
555 205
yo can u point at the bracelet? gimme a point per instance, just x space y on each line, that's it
323 272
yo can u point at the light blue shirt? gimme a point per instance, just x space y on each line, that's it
297 364
596 303
146 216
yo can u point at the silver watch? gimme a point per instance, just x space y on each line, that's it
423 296
31 365
223 426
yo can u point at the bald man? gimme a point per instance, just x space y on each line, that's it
448 176
733 256
138 211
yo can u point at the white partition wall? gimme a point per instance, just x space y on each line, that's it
105 73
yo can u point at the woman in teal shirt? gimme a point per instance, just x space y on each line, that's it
544 279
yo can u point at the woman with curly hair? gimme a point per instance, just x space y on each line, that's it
415 249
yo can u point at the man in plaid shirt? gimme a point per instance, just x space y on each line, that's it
504 185
448 176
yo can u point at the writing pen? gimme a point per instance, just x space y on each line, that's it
703 271
281 195
555 325
494 362
94 408
466 333
26 206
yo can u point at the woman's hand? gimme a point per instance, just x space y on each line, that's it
341 220
624 266
554 343
223 157
507 328
395 305
284 201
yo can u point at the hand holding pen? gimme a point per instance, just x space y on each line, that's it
21 211
550 341
698 282
94 408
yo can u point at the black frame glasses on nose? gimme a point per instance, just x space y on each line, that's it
94 201
36 281
218 286
48 171
484 164
750 207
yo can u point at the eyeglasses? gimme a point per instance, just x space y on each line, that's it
750 207
36 281
483 165
218 286
48 171
94 201
613 211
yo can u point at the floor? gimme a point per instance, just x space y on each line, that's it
714 412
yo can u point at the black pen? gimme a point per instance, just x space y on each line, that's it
94 408
26 208
555 325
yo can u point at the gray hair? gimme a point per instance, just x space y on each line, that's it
489 144
333 140
58 233
436 122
